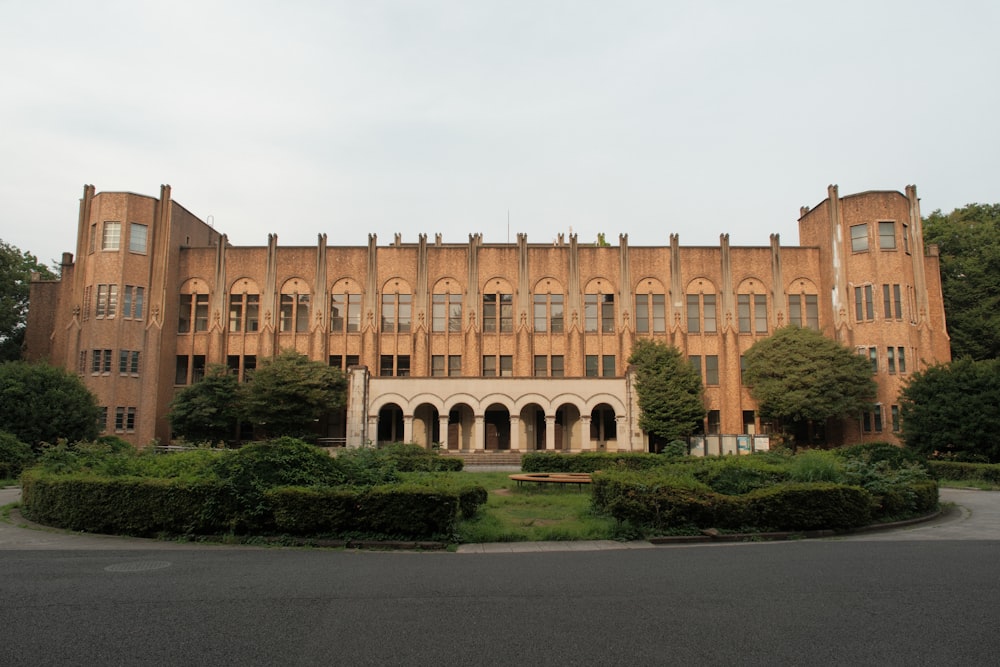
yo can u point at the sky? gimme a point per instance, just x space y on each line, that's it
495 117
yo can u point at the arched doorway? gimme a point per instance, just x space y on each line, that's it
390 424
532 427
426 427
568 427
497 427
603 426
460 426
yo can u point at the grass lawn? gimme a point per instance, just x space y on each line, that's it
534 512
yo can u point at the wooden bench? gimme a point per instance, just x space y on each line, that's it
578 478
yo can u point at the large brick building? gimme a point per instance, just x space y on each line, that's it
518 346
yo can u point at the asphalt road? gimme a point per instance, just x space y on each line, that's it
911 597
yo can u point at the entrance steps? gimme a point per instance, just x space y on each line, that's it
486 457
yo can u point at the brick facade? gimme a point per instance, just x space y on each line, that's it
478 345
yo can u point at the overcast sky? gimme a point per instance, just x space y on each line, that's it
350 117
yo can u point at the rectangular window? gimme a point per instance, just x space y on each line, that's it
404 313
710 318
760 313
133 364
812 311
129 420
695 360
489 312
660 313
252 312
454 365
714 422
892 300
864 303
286 311
201 312
235 313
795 309
906 238
112 237
301 313
102 301
119 419
137 237
608 313
540 314
897 299
437 365
558 370
693 318
890 359
712 369
541 366
353 312
489 367
877 418
81 364
349 361
873 358
887 235
197 368
894 411
591 366
901 359
338 312
138 295
123 361
233 363
590 313
112 300
506 365
608 366
102 420
95 364
556 313
506 313
455 313
183 313
859 238
743 312
385 365
439 315
93 244
181 371
403 366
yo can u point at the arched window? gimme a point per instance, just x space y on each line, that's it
293 311
244 306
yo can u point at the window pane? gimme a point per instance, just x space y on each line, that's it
590 313
693 319
812 311
712 369
859 238
760 313
710 319
660 313
556 312
557 366
403 316
302 313
252 312
743 312
540 308
591 365
795 309
338 310
438 309
111 239
608 366
137 237
642 313
201 312
489 366
506 365
455 365
455 312
608 314
887 235
541 365
388 313
437 365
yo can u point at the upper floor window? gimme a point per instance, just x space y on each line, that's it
112 236
803 310
892 299
244 312
859 238
864 303
192 313
701 313
107 301
752 312
505 367
599 366
294 313
396 310
599 309
906 241
132 302
498 311
650 313
548 313
887 235
446 313
137 237
345 312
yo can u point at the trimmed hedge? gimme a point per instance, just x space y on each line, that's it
592 461
414 458
809 506
980 472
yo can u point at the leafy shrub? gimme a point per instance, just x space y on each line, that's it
982 472
814 465
591 461
896 489
800 506
413 458
736 475
14 455
658 501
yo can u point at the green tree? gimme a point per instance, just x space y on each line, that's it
951 409
41 403
16 268
669 390
969 241
288 393
208 410
801 378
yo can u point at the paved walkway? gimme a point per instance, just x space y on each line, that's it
969 515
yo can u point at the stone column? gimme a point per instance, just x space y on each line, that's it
515 433
586 444
443 430
372 430
479 434
550 432
407 428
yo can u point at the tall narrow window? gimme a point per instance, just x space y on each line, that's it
506 313
112 236
489 313
901 359
345 312
695 360
541 366
540 317
454 365
388 313
890 359
183 312
887 235
710 317
201 312
859 238
558 369
608 366
404 313
873 358
137 237
235 312
894 411
812 311
437 365
693 316
489 366
590 313
906 238
760 313
607 313
743 312
301 313
591 368
506 365
712 369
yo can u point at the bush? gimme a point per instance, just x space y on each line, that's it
591 461
15 455
802 506
815 466
736 475
414 458
656 501
873 452
980 472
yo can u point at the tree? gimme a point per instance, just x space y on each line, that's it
16 268
669 390
41 403
208 410
289 393
801 378
969 242
951 409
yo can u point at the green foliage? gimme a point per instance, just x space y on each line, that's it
809 506
591 461
15 455
208 410
16 268
736 475
816 466
936 405
873 452
289 392
654 499
414 458
960 471
969 242
798 375
669 390
41 403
